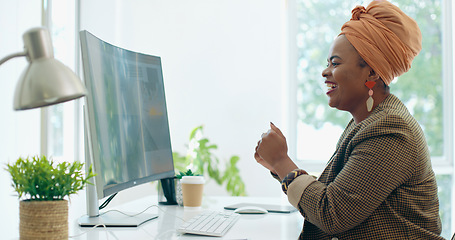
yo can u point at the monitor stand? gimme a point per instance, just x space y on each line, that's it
110 218
115 219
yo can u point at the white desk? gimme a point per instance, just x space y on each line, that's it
252 227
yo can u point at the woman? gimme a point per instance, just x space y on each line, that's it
379 184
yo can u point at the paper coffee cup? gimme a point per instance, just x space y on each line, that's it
192 189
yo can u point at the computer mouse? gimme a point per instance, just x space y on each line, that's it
251 210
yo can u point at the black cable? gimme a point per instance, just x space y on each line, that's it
108 200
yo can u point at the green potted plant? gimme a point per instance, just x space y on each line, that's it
187 173
42 187
200 159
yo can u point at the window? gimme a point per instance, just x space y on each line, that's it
426 89
61 127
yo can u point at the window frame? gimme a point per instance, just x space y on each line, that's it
71 116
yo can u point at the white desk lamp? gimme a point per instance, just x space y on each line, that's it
45 81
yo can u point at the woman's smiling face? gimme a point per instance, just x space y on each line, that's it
345 77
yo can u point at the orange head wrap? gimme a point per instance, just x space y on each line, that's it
385 37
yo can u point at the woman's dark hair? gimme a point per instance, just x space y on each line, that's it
363 64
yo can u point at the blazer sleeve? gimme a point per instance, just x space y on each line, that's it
380 159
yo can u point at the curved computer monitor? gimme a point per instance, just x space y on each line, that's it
127 130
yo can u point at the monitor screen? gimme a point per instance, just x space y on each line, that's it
127 125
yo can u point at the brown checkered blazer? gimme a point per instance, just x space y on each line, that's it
379 184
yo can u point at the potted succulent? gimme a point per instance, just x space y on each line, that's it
200 159
42 187
187 173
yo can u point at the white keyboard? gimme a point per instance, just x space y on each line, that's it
210 223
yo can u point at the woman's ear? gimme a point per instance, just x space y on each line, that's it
373 76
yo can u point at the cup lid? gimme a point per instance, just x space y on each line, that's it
193 179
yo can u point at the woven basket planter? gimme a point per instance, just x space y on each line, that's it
43 219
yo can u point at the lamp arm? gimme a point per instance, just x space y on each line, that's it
19 54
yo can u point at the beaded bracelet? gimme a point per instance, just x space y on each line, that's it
274 175
290 177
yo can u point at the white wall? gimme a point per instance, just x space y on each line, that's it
19 131
221 65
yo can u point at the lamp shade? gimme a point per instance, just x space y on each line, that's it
45 81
